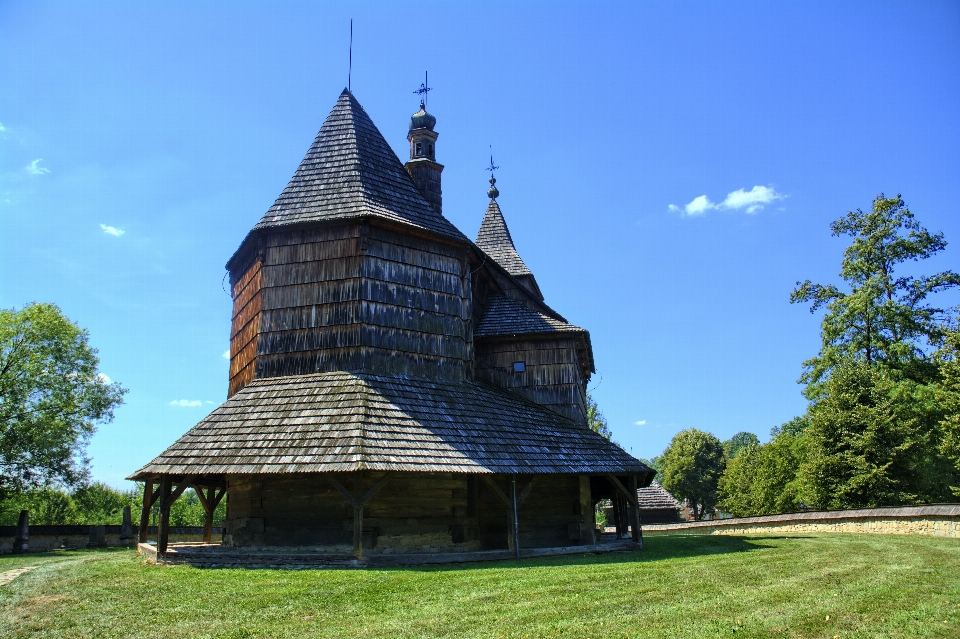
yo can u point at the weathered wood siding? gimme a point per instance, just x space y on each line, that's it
244 328
415 306
311 319
553 375
437 512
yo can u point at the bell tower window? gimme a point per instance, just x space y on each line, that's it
419 148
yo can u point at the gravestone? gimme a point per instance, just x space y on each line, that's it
22 536
126 528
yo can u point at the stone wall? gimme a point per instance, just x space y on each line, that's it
47 538
936 520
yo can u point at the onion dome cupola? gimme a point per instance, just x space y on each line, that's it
422 165
494 239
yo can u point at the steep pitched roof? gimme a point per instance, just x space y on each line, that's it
494 239
340 422
505 316
656 497
350 171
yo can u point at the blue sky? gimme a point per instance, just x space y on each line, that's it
668 171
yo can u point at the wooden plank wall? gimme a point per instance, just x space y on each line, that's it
416 306
552 378
244 327
311 302
414 512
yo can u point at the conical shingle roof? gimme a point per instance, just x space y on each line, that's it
494 239
350 171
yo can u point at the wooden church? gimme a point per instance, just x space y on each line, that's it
394 387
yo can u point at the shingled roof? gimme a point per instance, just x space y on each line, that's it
350 171
340 422
494 239
656 497
505 316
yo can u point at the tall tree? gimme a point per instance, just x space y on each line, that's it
738 442
883 317
595 419
51 398
948 397
874 440
690 468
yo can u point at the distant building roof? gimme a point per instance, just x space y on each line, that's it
656 497
341 422
350 171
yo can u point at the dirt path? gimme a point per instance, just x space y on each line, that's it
10 575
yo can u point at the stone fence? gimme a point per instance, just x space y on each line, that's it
935 520
46 538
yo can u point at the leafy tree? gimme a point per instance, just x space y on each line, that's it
763 479
883 318
948 396
98 503
738 442
595 419
691 467
51 398
874 440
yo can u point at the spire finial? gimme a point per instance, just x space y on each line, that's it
492 192
424 91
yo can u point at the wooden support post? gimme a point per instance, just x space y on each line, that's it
617 518
516 523
21 538
588 519
358 516
145 513
208 514
163 522
635 521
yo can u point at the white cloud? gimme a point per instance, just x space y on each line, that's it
104 378
752 200
642 422
699 205
2 128
112 230
226 354
34 168
673 208
186 403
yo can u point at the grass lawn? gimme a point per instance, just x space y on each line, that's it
680 586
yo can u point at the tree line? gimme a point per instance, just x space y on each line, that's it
882 426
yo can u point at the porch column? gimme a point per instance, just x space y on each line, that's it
145 512
635 520
358 516
163 521
515 520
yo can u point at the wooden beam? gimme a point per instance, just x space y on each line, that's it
182 485
148 497
203 499
219 497
623 489
208 514
637 531
163 522
375 489
496 489
357 516
526 491
343 491
516 523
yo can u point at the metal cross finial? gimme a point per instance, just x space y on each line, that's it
424 89
492 168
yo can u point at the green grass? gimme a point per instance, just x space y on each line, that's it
680 586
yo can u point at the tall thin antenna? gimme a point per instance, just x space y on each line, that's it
350 70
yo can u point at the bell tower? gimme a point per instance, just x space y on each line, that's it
422 165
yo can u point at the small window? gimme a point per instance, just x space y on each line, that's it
519 367
430 150
419 150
